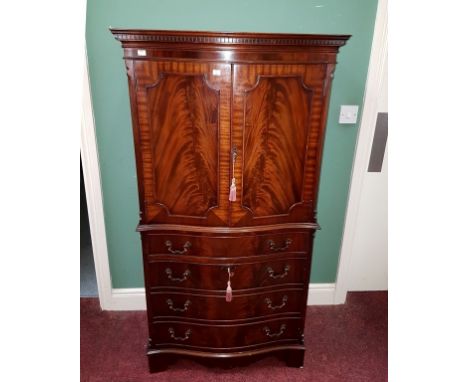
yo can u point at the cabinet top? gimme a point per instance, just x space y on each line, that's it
149 37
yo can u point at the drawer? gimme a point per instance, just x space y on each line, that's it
213 275
214 306
210 245
226 337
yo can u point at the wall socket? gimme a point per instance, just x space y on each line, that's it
348 114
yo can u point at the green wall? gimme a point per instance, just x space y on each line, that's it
112 110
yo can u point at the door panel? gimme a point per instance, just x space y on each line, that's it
277 120
183 118
276 115
184 141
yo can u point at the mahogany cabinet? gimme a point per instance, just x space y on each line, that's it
228 131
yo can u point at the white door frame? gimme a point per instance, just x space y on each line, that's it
92 182
364 142
109 298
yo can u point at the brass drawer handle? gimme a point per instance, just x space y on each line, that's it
269 303
272 274
274 248
170 303
186 247
267 331
188 332
186 274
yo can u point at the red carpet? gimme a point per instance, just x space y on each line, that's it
344 343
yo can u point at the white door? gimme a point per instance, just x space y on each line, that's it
363 262
368 267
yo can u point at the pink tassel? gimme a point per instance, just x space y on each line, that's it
229 292
232 191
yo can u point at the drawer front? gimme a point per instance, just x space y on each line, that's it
197 244
214 275
225 337
215 307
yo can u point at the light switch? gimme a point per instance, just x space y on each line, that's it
348 114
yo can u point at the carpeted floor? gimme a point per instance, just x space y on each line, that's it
344 343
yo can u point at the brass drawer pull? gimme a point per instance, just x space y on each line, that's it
267 331
170 303
188 332
272 274
274 248
186 247
269 303
186 274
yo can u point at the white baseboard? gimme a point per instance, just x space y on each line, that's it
321 294
127 299
134 298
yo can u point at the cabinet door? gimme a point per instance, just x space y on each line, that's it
181 126
278 123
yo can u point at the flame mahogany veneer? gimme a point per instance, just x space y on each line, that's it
208 108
